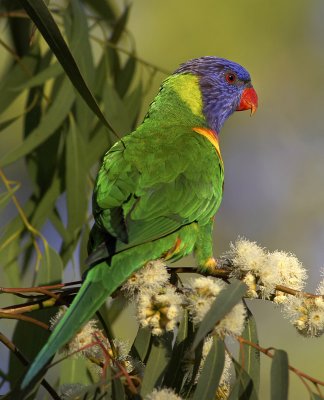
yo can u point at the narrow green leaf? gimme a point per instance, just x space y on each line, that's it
115 109
46 203
6 196
222 305
279 376
157 362
12 270
52 71
177 368
115 308
249 356
120 25
315 396
133 103
59 226
11 233
102 8
80 47
44 21
124 79
51 267
98 145
212 371
79 41
76 195
7 122
102 75
29 339
243 388
42 161
141 343
189 383
17 75
53 118
118 392
74 370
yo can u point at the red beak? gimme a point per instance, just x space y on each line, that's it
249 100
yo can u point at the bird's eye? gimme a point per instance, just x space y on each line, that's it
231 78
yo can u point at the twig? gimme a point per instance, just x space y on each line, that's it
25 318
14 14
12 347
268 353
226 273
33 231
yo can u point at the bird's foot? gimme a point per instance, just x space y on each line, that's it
210 265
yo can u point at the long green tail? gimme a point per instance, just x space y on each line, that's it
90 297
101 281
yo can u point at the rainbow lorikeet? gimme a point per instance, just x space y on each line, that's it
158 188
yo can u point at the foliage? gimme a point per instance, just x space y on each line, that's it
80 92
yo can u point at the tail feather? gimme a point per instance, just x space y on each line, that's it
100 282
89 299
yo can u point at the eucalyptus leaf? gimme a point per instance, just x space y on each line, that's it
98 146
315 396
120 25
59 226
53 118
81 49
211 372
44 21
46 203
124 79
75 178
222 305
133 103
51 72
279 376
51 267
29 339
118 392
7 122
74 370
115 109
11 271
249 356
177 369
6 196
243 388
157 362
141 343
11 232
17 75
102 8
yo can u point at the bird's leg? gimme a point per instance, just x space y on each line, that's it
204 248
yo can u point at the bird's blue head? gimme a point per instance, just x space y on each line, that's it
225 86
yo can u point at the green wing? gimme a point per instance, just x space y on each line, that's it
147 187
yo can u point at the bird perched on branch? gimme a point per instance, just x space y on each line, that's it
158 188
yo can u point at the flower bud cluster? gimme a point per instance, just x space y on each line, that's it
262 271
92 344
201 293
306 314
162 394
159 306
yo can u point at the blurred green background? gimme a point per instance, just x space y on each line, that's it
274 161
